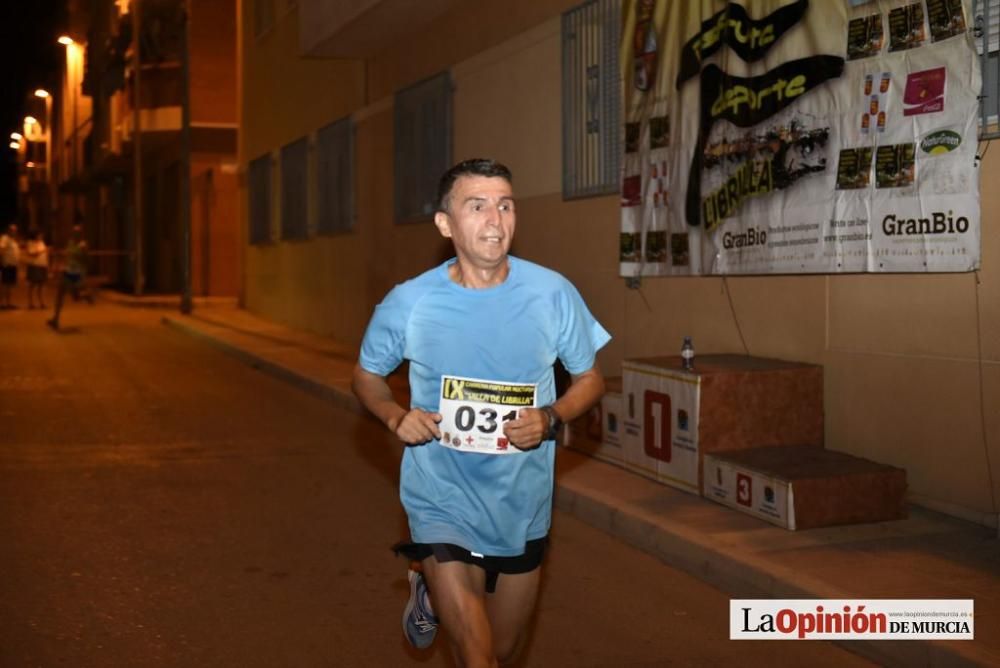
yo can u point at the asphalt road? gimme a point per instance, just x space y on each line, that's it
164 504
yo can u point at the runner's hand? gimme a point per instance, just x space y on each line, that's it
528 430
417 427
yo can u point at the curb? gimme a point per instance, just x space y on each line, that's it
161 301
322 390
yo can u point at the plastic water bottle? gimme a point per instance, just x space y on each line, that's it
687 354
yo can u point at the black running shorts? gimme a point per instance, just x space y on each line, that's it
534 551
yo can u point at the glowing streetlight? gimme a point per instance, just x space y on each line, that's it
65 40
30 120
29 164
41 92
16 136
15 145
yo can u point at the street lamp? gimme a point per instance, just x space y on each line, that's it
16 136
44 94
30 120
14 145
74 74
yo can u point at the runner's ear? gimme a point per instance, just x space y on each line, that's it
443 223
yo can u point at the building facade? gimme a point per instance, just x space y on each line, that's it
118 158
912 362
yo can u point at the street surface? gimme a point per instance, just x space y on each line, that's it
164 504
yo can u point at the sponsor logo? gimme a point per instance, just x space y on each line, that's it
924 93
502 443
682 420
769 494
942 141
752 237
938 223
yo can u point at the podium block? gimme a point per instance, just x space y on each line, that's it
673 417
804 488
599 431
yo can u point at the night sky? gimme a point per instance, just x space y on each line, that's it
31 57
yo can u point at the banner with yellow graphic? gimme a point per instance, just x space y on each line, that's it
777 136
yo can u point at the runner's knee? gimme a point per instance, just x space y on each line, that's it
508 651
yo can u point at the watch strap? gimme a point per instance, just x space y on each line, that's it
555 423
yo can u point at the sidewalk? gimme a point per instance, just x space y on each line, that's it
925 556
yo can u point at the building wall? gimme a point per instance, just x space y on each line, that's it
216 254
213 61
901 353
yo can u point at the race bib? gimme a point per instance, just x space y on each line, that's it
473 412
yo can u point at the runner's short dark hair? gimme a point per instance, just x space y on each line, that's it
473 167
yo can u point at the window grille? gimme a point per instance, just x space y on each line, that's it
294 189
260 199
591 98
422 125
335 177
987 32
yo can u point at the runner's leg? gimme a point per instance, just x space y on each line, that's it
60 294
510 609
457 595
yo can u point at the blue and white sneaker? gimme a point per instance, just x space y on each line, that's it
419 622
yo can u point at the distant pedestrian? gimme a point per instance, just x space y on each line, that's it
72 275
10 253
38 268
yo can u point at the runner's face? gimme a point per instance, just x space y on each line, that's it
480 219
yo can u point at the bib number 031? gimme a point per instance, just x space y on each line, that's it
473 412
466 419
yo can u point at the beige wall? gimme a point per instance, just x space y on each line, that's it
901 353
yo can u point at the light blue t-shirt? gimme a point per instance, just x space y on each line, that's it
512 332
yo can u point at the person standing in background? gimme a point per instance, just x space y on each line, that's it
10 254
38 268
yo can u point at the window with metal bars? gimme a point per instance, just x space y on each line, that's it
294 189
591 99
422 124
987 31
259 205
335 177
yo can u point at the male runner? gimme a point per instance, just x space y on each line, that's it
481 332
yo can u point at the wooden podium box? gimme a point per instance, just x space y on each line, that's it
673 417
804 488
598 432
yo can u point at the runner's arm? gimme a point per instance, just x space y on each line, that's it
584 391
410 426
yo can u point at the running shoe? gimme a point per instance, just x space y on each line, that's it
419 622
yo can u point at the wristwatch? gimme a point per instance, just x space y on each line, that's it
555 423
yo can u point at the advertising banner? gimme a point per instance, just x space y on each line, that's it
782 137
